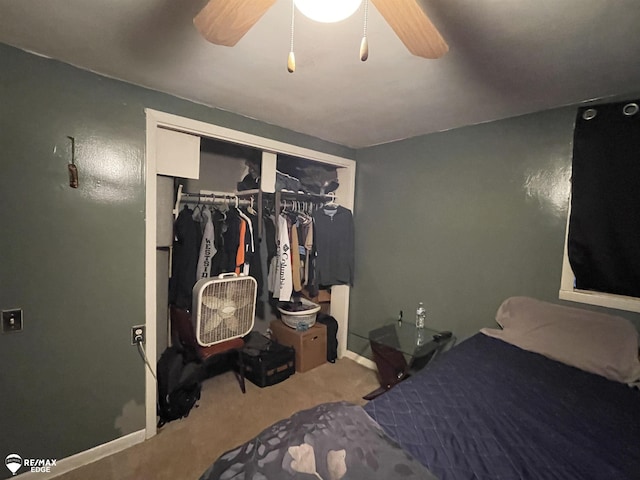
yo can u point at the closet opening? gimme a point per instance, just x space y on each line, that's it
306 189
226 189
202 166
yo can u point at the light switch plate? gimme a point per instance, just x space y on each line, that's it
12 320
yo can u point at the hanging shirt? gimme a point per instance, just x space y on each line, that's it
250 239
241 247
185 259
295 259
308 247
255 266
273 282
249 243
207 247
333 230
231 239
285 278
219 260
270 236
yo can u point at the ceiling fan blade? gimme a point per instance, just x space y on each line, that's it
225 22
413 27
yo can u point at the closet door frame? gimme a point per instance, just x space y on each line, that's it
156 119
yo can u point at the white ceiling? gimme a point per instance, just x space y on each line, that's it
506 58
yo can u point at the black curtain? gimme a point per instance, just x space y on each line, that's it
604 227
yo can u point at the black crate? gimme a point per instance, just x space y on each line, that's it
267 362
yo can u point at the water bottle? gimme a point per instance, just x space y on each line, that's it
421 315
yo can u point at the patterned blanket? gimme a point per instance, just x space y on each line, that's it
333 441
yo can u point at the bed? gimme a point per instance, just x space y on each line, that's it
493 407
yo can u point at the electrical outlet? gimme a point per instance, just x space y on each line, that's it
137 334
12 320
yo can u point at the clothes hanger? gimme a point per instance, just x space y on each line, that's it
223 210
250 209
197 211
332 204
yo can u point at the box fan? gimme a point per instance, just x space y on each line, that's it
224 308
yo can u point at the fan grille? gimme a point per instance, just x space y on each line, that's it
225 309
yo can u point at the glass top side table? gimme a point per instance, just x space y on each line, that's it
400 349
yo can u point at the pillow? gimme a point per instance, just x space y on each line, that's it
596 342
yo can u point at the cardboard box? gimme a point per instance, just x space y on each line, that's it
310 345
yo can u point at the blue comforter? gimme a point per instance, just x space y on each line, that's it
489 410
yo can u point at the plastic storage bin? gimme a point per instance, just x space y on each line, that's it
303 319
266 362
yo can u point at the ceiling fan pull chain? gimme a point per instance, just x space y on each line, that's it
364 44
291 61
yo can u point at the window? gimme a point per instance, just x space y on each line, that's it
602 248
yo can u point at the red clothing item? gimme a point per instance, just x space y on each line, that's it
240 253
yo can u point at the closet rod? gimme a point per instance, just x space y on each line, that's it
313 197
319 197
243 193
216 201
181 195
220 198
316 198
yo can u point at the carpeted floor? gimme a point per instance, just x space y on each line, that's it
225 418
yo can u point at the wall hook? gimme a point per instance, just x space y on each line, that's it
73 170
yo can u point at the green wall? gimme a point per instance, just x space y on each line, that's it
73 259
461 220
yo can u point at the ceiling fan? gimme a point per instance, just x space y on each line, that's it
225 22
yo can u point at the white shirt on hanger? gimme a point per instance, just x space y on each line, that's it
285 277
207 247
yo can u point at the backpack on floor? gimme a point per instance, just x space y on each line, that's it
178 385
332 335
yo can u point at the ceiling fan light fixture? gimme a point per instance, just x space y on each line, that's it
328 11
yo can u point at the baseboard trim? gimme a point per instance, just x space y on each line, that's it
364 361
65 465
